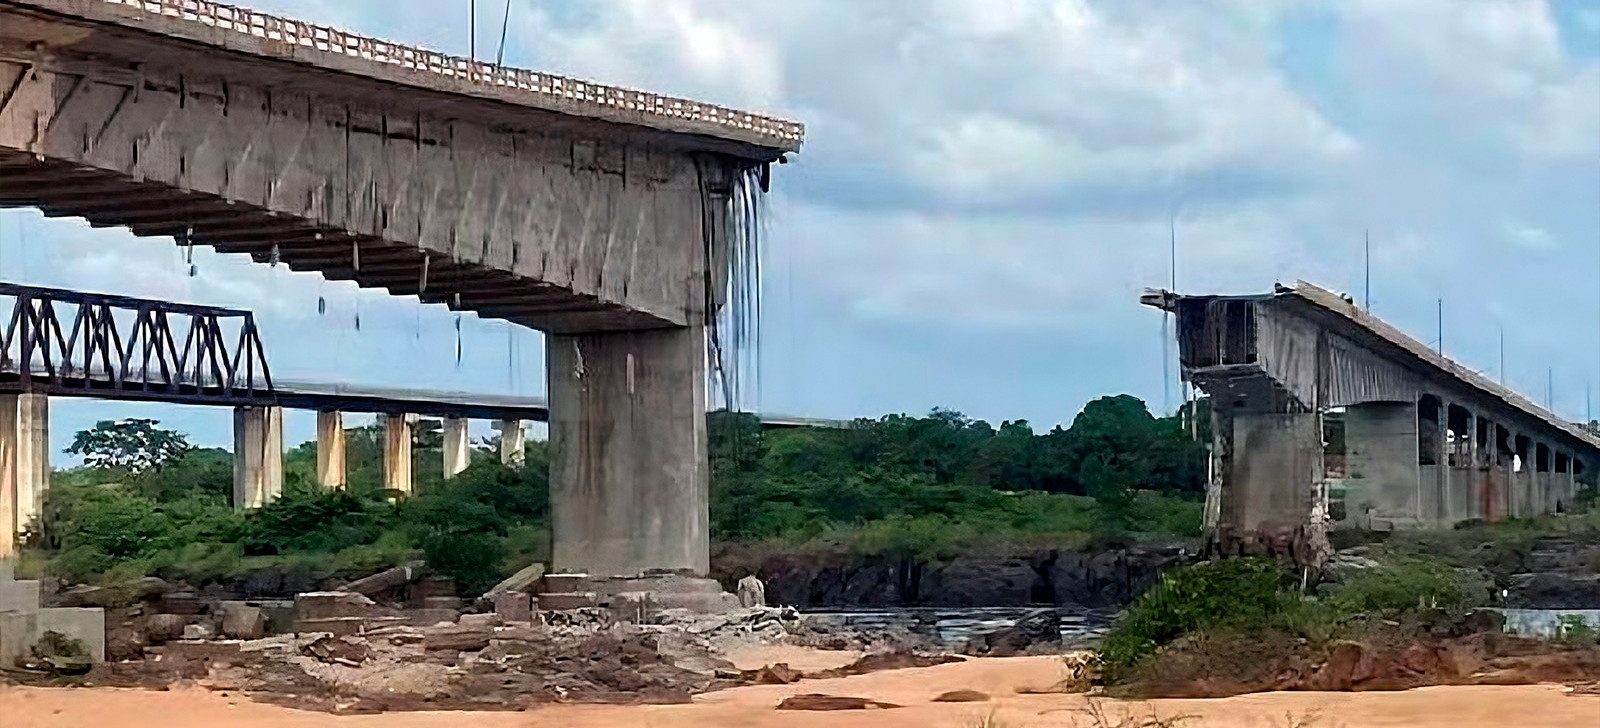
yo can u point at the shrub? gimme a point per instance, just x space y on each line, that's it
1400 587
472 560
306 518
1190 599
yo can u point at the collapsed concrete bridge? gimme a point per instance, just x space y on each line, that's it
617 221
1325 416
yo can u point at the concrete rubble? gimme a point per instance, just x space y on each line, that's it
37 637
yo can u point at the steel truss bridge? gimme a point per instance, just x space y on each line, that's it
76 344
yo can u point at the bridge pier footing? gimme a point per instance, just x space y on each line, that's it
24 464
628 468
257 456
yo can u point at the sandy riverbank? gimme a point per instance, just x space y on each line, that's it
753 707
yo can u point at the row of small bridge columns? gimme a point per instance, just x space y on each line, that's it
258 451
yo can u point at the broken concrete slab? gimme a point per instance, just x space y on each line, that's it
525 581
456 637
241 621
19 596
514 606
481 621
314 606
159 628
18 631
565 583
559 601
87 625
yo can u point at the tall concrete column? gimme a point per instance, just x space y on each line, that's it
457 446
9 523
331 469
397 452
1441 498
628 468
513 443
29 433
257 456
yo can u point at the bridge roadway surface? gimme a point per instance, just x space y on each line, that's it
324 396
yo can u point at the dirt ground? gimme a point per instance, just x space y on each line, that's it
754 707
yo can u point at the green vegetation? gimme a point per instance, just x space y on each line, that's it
933 486
146 501
1254 595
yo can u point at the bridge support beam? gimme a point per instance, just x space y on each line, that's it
457 446
397 452
513 443
628 469
257 456
331 470
24 464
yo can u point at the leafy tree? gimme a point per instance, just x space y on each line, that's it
135 445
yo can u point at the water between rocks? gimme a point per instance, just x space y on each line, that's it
1081 627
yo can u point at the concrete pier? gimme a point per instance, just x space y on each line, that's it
513 443
257 456
397 452
1381 458
457 446
24 464
628 469
331 469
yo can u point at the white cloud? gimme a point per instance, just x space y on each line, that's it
1496 66
1528 237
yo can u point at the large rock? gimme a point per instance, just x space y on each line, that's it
751 592
1105 579
1038 629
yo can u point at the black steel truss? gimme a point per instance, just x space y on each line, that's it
221 359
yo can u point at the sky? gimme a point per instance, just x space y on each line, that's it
986 187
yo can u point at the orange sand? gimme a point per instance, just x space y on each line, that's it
752 707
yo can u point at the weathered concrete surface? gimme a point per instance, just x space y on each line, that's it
1381 461
84 624
19 596
1275 460
24 463
513 443
331 467
558 222
457 446
628 469
257 456
397 431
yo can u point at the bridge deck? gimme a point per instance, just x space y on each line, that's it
248 32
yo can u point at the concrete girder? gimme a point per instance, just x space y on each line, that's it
614 224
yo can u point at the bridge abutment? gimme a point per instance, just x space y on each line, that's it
629 476
257 456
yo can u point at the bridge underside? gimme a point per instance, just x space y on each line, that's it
564 224
153 209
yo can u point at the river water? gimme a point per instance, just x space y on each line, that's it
1080 627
